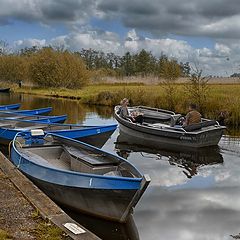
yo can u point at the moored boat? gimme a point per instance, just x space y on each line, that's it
38 111
78 175
4 90
96 135
206 133
25 113
36 118
10 106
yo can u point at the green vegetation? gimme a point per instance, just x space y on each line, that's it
49 68
218 98
80 75
45 67
47 231
5 235
170 72
197 89
53 67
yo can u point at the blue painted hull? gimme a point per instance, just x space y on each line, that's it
100 133
10 106
36 118
26 114
51 119
38 111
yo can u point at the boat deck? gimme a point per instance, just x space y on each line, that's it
70 158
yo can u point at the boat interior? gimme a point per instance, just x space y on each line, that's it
21 125
164 119
66 157
172 124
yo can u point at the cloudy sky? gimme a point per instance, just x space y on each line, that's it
203 32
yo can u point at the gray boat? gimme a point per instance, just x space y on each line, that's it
153 113
206 133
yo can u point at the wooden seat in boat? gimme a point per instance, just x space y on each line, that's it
5 125
90 158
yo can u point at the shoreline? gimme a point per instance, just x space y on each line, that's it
39 215
220 98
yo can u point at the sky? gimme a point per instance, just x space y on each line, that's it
205 33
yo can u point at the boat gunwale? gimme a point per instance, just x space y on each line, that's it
79 173
168 129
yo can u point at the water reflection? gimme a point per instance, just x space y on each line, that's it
77 113
185 158
107 230
193 195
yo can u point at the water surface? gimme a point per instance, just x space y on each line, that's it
192 195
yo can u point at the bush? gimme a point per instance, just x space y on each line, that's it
11 68
49 68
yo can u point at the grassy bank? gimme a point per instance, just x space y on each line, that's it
221 97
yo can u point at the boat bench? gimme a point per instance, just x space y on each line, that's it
37 159
30 127
198 126
88 158
6 125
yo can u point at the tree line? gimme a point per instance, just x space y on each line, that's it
142 64
54 67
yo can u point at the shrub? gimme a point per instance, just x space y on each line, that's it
11 68
49 68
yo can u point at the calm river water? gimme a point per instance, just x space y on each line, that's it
192 195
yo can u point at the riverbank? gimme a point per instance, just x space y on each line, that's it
27 213
221 97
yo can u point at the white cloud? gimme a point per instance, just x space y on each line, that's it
221 60
29 43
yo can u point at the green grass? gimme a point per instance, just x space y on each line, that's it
221 97
47 231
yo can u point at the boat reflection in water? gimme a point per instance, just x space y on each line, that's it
189 159
107 230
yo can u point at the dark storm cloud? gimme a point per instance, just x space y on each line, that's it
62 11
65 10
210 18
215 18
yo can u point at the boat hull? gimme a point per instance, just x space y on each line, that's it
158 137
10 106
111 198
97 140
4 90
97 136
105 203
38 111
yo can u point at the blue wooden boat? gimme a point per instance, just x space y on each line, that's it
38 111
95 135
16 115
36 118
79 176
10 106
